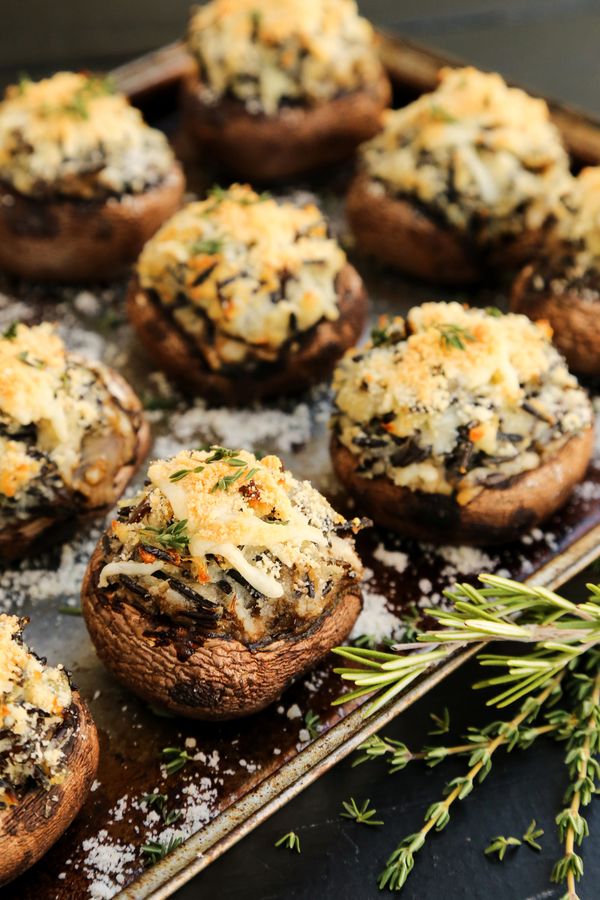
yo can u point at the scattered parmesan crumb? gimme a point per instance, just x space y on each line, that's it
294 712
393 558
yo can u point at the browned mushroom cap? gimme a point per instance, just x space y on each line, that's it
573 315
272 148
220 679
494 516
28 829
115 466
402 234
64 239
309 360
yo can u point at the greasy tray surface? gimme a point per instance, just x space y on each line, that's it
247 767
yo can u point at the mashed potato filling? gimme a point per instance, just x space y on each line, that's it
50 403
232 543
482 156
34 699
70 135
455 399
242 273
291 51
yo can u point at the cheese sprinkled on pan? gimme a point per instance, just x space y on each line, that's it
483 156
243 273
34 699
59 424
70 135
291 51
233 544
456 399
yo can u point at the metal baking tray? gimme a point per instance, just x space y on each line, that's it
241 772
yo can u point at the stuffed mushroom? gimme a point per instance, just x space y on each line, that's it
241 296
223 580
72 434
459 425
282 86
563 284
463 179
48 752
84 182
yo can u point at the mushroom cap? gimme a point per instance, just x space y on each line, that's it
28 829
496 515
219 678
402 234
310 360
65 239
296 140
24 536
573 316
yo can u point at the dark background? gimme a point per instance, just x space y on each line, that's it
551 46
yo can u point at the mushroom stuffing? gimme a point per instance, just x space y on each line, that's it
221 581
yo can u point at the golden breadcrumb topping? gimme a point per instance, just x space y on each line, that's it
475 151
242 273
71 135
266 54
579 226
50 402
240 533
34 698
456 398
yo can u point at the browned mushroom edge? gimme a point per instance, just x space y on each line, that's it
39 817
404 233
573 311
496 515
28 535
305 360
299 138
71 239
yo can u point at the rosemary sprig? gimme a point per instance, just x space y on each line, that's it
155 850
452 335
181 473
173 537
175 758
289 840
312 723
361 814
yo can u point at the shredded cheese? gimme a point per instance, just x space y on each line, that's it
266 54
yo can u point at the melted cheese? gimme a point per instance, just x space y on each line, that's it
70 135
33 700
259 270
474 151
460 374
236 511
268 53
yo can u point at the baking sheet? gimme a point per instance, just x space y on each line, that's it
239 772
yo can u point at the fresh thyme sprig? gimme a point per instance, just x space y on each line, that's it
155 850
532 834
173 537
361 814
501 844
175 758
452 335
312 723
289 840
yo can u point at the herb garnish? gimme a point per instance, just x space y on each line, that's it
289 840
442 115
452 335
494 311
563 664
173 537
501 844
31 361
207 245
175 759
442 723
361 814
70 610
11 332
379 333
312 723
156 850
181 473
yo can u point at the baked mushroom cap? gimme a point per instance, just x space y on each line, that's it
463 179
49 753
241 296
224 580
460 425
563 284
84 182
72 434
297 85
